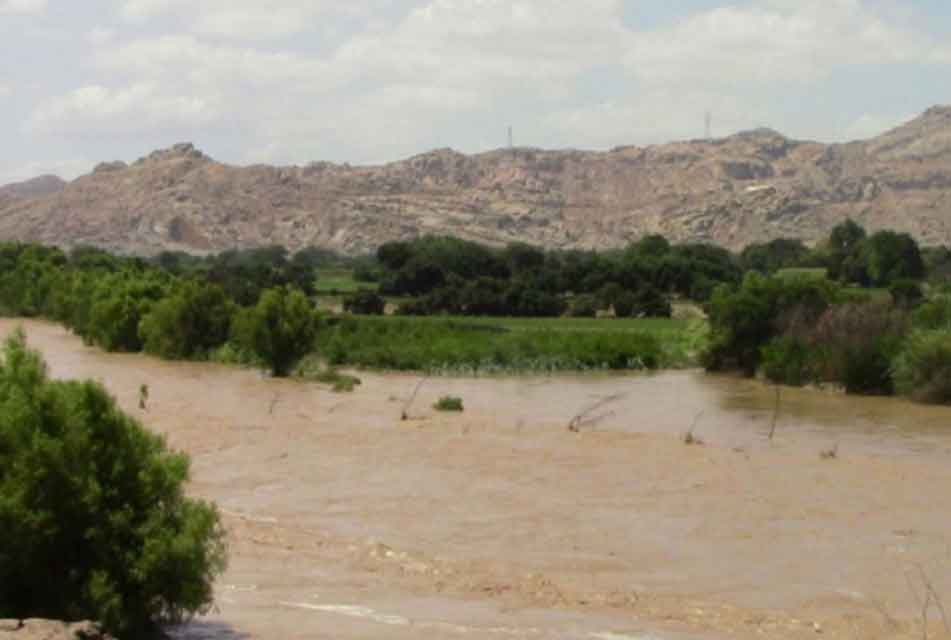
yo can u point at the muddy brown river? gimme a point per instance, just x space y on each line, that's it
347 522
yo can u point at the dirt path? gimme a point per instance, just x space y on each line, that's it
346 522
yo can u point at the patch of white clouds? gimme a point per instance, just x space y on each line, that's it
99 36
393 83
246 19
22 7
138 107
773 42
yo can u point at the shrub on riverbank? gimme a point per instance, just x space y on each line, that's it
923 367
92 509
279 329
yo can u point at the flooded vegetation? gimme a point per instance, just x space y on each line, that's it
346 521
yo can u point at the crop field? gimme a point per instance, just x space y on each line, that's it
339 281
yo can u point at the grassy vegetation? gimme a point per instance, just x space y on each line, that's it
477 346
449 403
610 325
817 273
340 281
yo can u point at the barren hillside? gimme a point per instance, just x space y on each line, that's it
748 187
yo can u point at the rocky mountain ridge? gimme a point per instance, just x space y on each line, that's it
752 186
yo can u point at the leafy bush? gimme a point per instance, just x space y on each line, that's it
280 329
922 369
92 509
787 360
190 323
934 314
906 294
744 319
857 344
365 302
448 403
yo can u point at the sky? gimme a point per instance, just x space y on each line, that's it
370 81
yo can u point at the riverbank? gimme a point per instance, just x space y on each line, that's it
347 522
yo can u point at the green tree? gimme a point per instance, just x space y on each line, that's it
890 256
364 302
844 241
190 323
280 329
92 509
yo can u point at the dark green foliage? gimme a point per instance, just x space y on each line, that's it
888 257
525 281
844 242
448 403
651 303
584 306
190 323
118 303
906 294
744 319
922 369
770 257
937 264
787 360
624 303
935 313
364 302
92 509
280 329
855 345
244 275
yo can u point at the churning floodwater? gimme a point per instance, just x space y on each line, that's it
346 521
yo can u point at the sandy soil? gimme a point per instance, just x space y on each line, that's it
347 522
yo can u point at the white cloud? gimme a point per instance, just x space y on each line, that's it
379 79
476 42
246 18
22 7
139 107
776 42
655 117
100 36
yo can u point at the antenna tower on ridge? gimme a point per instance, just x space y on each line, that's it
511 145
708 126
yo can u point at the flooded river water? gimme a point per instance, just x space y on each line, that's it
347 522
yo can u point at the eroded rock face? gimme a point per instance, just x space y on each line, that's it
36 629
750 187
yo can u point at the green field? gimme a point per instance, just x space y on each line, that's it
339 281
612 325
818 274
445 345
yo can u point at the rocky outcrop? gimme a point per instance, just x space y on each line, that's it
35 629
749 187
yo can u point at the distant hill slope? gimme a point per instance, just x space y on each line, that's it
33 188
749 187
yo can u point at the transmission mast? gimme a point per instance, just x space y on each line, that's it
708 126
